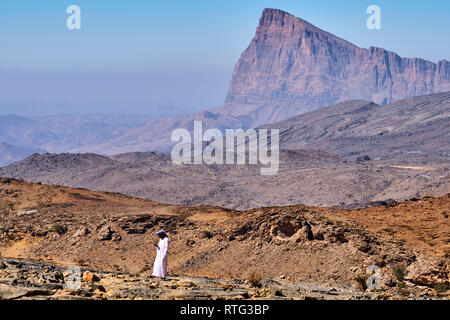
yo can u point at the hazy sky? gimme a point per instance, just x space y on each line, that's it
130 56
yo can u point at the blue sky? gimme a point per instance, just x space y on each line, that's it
176 52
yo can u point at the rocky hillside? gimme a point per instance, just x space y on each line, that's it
411 127
310 177
112 232
291 67
352 154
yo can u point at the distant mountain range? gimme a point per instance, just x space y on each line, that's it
290 68
10 153
59 133
352 154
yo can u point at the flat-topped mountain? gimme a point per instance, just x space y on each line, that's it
291 67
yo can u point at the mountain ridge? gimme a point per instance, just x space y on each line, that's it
418 124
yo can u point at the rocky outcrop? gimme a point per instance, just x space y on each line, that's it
291 67
428 271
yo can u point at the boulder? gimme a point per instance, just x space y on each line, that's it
105 233
90 277
26 212
10 292
428 271
304 234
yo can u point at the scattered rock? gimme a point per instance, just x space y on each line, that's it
116 237
81 232
90 277
39 233
114 293
190 242
387 281
363 158
97 287
24 286
9 292
26 212
105 233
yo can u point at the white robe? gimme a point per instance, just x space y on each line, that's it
160 265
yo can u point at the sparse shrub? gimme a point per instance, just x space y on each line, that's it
399 273
254 279
445 214
401 285
145 268
10 236
363 158
59 229
170 228
207 234
441 288
361 282
404 292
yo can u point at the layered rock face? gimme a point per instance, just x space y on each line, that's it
292 67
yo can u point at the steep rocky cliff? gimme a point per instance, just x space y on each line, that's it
291 67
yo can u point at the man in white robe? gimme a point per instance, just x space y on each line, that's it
160 265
